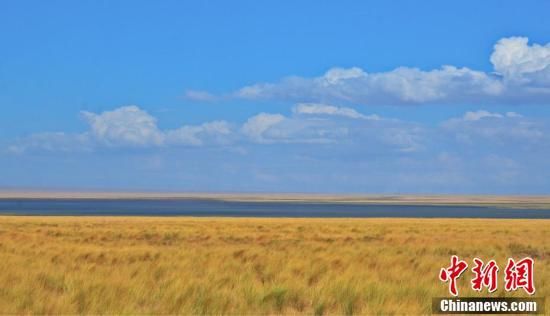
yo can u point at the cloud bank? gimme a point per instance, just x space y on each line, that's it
132 127
308 123
315 147
521 75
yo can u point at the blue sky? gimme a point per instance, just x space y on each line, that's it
307 96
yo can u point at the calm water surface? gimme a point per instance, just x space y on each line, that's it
198 207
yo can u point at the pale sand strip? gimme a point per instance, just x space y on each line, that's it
527 201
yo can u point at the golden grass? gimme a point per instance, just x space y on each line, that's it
52 265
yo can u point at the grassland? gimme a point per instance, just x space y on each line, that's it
52 265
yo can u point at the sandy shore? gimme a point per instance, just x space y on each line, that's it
524 201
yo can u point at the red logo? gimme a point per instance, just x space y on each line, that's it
518 274
452 273
485 276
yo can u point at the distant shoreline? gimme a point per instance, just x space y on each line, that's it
531 202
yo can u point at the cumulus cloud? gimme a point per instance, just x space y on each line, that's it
132 126
276 128
400 86
521 75
339 126
127 125
514 59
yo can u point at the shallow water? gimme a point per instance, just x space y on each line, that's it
198 207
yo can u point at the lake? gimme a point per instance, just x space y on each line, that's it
208 207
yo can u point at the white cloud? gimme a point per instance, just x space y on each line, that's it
400 86
522 75
516 60
197 135
127 125
328 124
498 129
324 109
339 75
478 115
276 128
256 126
132 126
481 114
